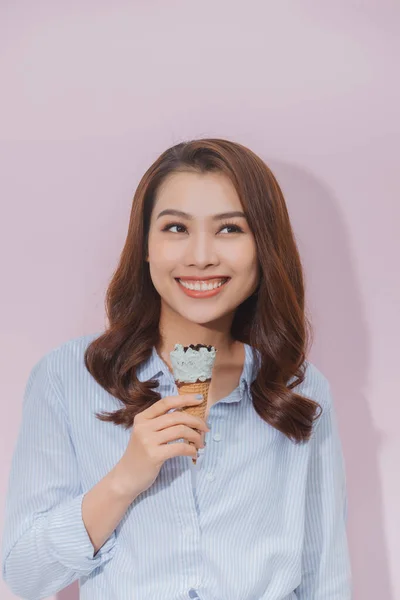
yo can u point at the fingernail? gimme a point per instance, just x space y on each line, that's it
199 396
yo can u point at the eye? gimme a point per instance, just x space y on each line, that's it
236 228
169 225
232 226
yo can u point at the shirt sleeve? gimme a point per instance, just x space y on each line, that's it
326 570
45 544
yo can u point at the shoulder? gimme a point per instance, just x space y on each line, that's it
316 386
64 359
60 376
72 348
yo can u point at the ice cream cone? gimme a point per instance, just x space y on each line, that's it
192 368
199 410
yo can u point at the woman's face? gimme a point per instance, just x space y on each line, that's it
202 246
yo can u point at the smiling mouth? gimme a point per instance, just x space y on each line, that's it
202 285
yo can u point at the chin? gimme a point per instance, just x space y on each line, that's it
204 317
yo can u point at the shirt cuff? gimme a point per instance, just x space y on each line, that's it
69 542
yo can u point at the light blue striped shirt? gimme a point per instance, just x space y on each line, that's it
258 518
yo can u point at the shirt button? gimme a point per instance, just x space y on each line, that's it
217 437
210 476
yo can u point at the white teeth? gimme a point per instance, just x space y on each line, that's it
201 285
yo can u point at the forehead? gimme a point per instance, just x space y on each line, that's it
200 194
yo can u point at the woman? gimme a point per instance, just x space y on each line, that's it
102 487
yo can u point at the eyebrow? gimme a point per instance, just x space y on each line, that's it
183 215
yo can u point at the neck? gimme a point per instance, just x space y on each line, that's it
176 330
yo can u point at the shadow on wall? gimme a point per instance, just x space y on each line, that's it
341 352
69 593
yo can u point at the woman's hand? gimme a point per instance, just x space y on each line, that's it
148 449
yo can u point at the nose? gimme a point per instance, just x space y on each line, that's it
200 251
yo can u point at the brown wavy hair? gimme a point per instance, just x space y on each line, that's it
272 320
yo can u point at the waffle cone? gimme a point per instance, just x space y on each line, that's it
198 387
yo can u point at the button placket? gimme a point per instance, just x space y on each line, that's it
188 531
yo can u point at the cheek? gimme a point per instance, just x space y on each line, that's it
170 254
161 253
242 258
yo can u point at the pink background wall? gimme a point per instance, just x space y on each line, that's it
91 94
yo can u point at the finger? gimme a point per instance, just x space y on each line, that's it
179 449
203 439
177 418
179 432
168 403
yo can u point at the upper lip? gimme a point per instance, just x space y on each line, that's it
203 278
